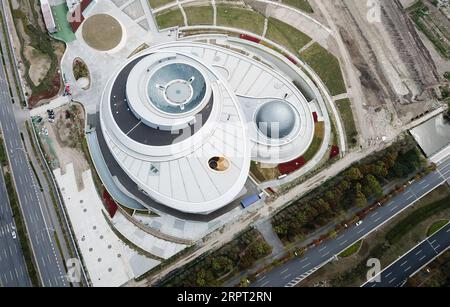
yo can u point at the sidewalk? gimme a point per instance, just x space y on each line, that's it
55 103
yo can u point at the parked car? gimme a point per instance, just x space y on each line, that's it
359 223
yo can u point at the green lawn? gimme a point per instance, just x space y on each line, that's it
354 248
421 214
3 158
199 15
319 133
345 110
286 35
170 18
158 3
240 18
326 65
64 29
302 5
436 227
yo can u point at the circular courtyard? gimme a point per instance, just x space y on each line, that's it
102 32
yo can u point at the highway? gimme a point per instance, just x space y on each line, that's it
297 269
48 259
396 274
13 268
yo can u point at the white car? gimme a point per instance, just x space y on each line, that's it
358 223
13 233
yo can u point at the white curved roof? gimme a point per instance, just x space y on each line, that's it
178 175
256 84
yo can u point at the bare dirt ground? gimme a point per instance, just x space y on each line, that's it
395 70
396 64
66 136
39 64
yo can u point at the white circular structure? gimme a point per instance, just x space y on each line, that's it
184 120
276 119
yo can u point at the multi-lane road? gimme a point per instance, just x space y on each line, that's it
49 261
295 270
13 268
398 272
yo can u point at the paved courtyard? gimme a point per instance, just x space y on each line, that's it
108 260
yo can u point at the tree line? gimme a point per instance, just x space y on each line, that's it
357 186
211 270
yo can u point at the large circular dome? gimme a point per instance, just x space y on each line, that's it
276 119
176 88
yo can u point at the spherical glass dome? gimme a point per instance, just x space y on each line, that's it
176 88
276 119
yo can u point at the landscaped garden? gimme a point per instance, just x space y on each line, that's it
345 110
199 15
435 227
170 18
351 250
158 3
326 65
286 35
241 18
302 5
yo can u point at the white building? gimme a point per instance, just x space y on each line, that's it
72 4
184 120
48 16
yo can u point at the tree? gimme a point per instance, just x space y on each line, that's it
354 174
221 265
380 170
372 187
360 198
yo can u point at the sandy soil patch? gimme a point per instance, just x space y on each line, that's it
64 141
102 32
39 64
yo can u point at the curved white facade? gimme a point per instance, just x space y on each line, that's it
179 119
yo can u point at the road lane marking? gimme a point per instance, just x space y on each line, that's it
324 255
342 243
405 262
308 264
361 230
418 252
423 257
392 280
323 248
287 276
407 269
303 260
388 274
284 271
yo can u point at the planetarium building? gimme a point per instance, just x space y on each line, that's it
183 120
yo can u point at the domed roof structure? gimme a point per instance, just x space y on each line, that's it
276 119
176 88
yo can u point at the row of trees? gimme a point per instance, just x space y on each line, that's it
241 253
356 186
